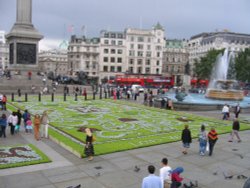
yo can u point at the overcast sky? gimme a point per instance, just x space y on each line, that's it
180 18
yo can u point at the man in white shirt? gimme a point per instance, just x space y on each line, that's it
225 112
165 173
151 181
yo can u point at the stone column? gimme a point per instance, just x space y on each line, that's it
24 12
23 40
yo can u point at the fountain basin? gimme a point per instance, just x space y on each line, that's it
225 94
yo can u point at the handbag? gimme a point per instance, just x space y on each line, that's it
93 138
207 147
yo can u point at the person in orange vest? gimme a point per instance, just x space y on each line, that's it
4 101
37 123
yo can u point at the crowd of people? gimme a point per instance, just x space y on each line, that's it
38 125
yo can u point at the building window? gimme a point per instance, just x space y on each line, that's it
148 54
140 53
119 69
147 61
112 69
120 36
131 46
106 41
131 61
147 70
140 39
132 39
112 51
157 71
87 64
159 40
131 69
119 60
139 70
148 47
149 39
105 68
131 53
112 59
112 42
105 59
158 54
120 42
106 50
158 47
139 61
119 51
140 46
158 63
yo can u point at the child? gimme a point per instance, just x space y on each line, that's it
29 127
176 179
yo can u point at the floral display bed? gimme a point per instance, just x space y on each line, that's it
117 125
21 155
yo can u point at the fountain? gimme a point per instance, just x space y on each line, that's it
223 86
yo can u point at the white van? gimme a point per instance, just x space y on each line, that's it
135 88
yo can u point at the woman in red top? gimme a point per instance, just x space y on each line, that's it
212 138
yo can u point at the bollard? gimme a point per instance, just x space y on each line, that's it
100 93
105 93
64 96
109 94
12 97
75 96
85 96
94 96
52 97
39 97
26 97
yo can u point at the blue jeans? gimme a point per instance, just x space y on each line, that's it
203 145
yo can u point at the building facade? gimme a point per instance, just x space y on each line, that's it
200 44
4 52
112 54
175 60
53 61
83 55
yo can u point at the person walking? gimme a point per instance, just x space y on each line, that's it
225 112
3 125
26 117
165 173
235 130
19 118
12 121
37 123
152 181
186 139
203 140
89 148
45 124
237 110
212 139
4 101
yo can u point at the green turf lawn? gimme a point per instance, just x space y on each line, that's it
153 126
21 155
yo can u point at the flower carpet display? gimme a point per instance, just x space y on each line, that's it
117 125
21 155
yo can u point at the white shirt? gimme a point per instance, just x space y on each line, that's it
165 173
225 109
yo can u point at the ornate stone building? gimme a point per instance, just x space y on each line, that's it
53 61
200 44
83 55
175 59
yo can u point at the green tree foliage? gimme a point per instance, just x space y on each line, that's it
204 66
242 66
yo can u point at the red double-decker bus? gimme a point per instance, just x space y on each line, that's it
143 80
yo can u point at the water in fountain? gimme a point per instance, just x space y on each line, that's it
223 84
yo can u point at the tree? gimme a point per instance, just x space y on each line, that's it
204 66
242 66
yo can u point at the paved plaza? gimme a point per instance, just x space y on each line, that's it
117 170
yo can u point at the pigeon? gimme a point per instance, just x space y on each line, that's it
98 174
78 186
137 169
